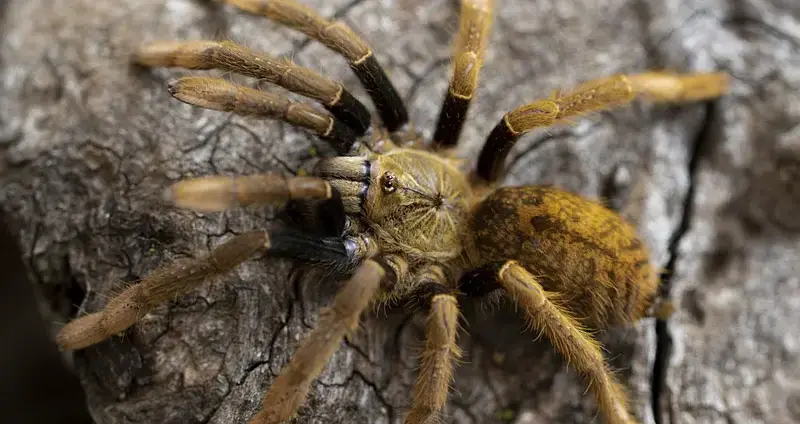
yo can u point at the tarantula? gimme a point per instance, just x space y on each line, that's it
405 218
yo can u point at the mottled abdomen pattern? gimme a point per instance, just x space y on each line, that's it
574 246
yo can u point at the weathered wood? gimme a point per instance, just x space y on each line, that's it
89 142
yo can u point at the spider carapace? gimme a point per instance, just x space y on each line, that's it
402 218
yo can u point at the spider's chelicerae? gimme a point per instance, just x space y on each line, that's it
405 218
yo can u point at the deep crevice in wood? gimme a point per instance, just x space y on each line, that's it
699 148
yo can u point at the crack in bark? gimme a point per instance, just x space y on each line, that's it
203 141
663 337
378 393
544 139
371 384
213 412
422 77
743 21
250 368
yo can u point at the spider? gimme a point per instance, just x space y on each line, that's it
400 217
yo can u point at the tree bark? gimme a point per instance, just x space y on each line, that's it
88 143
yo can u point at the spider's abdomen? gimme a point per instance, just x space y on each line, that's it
576 247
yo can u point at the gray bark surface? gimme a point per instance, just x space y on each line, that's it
88 142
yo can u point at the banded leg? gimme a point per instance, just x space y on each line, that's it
591 97
217 193
126 308
290 388
338 37
218 94
545 314
438 357
231 57
475 24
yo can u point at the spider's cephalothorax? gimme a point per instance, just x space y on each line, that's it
413 202
406 219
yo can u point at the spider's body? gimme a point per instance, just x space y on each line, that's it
576 247
406 219
421 205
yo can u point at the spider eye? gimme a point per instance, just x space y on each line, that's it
389 182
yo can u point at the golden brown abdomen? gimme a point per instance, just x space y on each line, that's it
574 246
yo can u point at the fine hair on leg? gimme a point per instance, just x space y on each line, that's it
340 38
217 192
544 312
290 388
474 26
124 309
589 97
440 353
229 56
131 304
218 94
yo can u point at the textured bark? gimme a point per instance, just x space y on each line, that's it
89 141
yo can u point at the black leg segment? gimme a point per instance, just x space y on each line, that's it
427 290
324 218
475 22
390 106
340 136
351 112
480 281
491 162
451 120
308 248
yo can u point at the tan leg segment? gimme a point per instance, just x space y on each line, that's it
231 57
582 352
667 87
218 94
436 362
474 27
216 193
606 93
290 388
338 37
124 309
592 96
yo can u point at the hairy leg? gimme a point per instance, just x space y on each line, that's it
290 388
338 37
218 94
438 356
474 26
229 56
592 96
667 87
130 305
176 278
217 193
546 313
